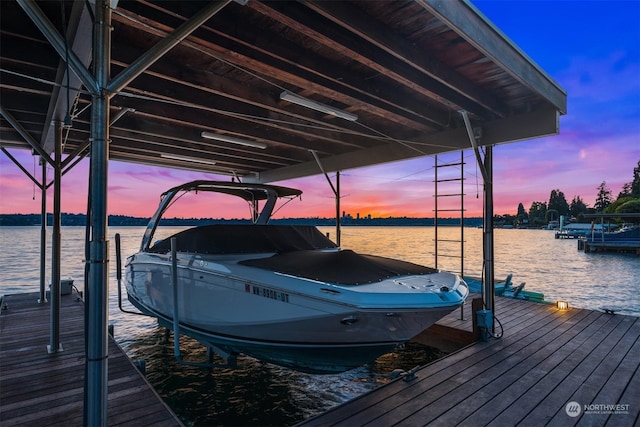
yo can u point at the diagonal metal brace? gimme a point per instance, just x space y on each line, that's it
474 144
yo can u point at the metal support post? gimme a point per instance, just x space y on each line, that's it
54 298
486 168
95 398
461 218
43 233
435 207
338 224
488 263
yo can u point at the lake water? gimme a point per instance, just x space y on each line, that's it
263 394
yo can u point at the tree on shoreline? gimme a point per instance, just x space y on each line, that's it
628 201
604 198
577 208
635 184
537 213
558 202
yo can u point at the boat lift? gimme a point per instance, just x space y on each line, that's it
230 358
336 192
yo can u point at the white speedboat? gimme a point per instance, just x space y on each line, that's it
282 293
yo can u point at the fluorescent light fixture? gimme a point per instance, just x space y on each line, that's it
323 108
188 159
233 140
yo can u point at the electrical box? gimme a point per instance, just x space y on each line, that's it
485 319
66 286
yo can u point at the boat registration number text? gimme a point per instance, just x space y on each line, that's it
267 293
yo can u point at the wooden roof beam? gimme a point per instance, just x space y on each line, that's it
471 25
352 19
341 40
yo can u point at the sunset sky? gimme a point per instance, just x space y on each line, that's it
591 48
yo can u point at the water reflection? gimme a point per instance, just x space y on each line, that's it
256 393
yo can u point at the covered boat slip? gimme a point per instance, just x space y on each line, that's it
203 85
261 91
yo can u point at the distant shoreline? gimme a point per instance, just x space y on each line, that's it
12 220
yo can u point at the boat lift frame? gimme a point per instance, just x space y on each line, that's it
336 193
230 358
486 168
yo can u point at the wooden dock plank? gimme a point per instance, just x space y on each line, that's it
362 411
509 386
610 380
632 390
37 388
546 358
569 366
476 377
604 362
501 385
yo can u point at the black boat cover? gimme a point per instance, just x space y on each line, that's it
343 267
245 239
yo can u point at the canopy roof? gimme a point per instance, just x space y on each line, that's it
392 77
249 192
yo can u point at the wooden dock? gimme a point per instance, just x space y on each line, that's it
613 245
551 367
37 388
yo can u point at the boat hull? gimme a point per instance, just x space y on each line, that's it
315 358
290 321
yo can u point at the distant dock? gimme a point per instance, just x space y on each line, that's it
37 388
551 367
612 245
624 240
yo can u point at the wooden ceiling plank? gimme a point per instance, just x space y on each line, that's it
469 22
323 31
380 94
278 70
209 118
352 19
155 134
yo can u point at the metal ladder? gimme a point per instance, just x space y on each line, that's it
450 187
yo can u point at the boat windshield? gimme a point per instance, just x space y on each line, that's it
257 202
